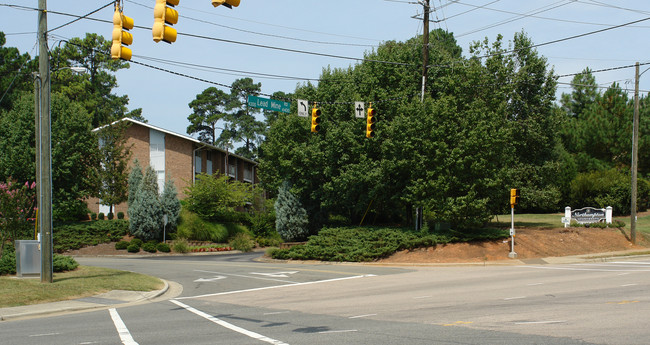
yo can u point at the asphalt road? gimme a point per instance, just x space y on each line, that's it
234 300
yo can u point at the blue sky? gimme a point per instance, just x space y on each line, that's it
335 27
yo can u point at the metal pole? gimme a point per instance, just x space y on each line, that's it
635 156
512 253
37 141
46 148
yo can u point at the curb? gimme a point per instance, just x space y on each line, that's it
111 299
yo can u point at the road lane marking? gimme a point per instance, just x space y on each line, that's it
511 298
539 322
458 323
341 331
245 276
626 285
534 284
275 287
228 325
360 316
276 274
124 333
585 269
43 335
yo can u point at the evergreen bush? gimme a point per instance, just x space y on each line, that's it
133 248
290 217
149 247
145 213
120 215
163 248
111 215
121 245
62 263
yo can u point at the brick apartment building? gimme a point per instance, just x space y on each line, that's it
179 158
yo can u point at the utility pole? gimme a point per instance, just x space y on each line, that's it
425 46
45 149
419 212
635 155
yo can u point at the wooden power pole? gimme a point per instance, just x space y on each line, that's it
425 46
45 154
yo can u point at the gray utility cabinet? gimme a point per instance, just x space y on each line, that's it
28 258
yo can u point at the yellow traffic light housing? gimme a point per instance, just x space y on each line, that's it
371 119
164 15
120 37
228 3
514 197
315 120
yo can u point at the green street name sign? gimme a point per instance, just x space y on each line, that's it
268 104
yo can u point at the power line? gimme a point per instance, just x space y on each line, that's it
260 33
80 18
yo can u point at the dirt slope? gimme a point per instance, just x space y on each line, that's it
529 243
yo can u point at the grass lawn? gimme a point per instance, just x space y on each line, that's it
554 220
82 282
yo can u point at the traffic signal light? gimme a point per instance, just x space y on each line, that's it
315 120
164 15
514 197
227 3
121 23
370 122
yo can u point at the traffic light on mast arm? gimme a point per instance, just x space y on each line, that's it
121 23
228 3
514 197
371 119
164 15
315 119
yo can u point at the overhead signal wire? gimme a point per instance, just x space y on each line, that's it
240 42
476 7
521 16
81 17
261 33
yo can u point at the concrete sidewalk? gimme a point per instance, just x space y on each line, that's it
111 299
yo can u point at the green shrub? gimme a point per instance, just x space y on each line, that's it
75 236
370 243
163 248
133 248
138 242
192 227
8 261
93 216
111 215
608 188
121 245
180 246
242 242
62 263
120 215
149 247
100 216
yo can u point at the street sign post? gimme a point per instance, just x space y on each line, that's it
269 104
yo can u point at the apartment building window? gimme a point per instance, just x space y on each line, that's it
232 170
248 173
208 163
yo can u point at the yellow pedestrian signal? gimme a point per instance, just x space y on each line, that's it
315 120
514 197
164 15
370 122
228 3
120 37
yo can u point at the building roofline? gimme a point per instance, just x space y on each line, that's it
196 141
